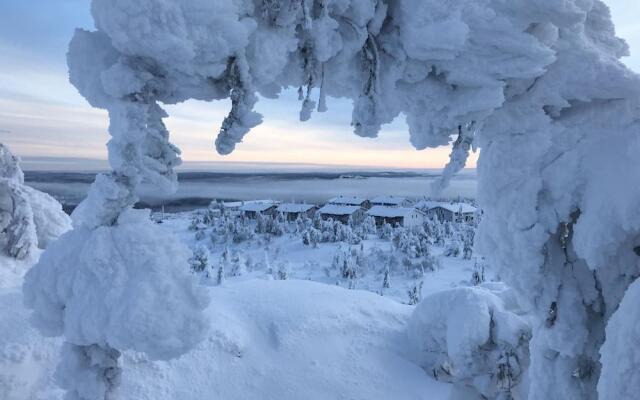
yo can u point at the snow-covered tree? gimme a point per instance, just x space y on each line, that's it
29 219
386 280
385 231
415 293
283 271
478 277
236 265
452 248
221 275
368 226
552 108
199 261
471 338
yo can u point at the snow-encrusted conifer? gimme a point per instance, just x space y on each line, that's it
386 280
237 267
199 261
28 218
283 271
415 293
221 274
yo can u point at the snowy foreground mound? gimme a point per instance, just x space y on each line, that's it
290 340
268 340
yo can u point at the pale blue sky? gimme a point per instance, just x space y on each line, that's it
41 114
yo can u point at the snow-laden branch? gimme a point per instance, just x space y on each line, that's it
458 157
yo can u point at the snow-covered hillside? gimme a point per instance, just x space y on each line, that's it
273 333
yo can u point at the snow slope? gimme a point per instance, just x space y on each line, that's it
268 340
26 358
290 340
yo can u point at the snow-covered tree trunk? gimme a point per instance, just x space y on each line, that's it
114 251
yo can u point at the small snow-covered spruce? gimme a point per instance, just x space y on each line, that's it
221 275
415 293
283 271
368 226
306 238
237 267
386 280
196 220
199 261
452 249
386 231
209 216
477 277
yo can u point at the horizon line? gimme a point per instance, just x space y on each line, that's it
66 164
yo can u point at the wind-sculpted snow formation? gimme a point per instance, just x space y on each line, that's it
539 82
29 219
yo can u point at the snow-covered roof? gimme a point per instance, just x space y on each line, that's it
294 207
239 204
231 204
338 209
347 200
256 207
391 212
456 207
389 200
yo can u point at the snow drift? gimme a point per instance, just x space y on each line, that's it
269 340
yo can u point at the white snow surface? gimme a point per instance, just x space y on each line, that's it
388 211
347 200
256 207
264 339
388 200
338 209
294 207
290 340
267 340
456 207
